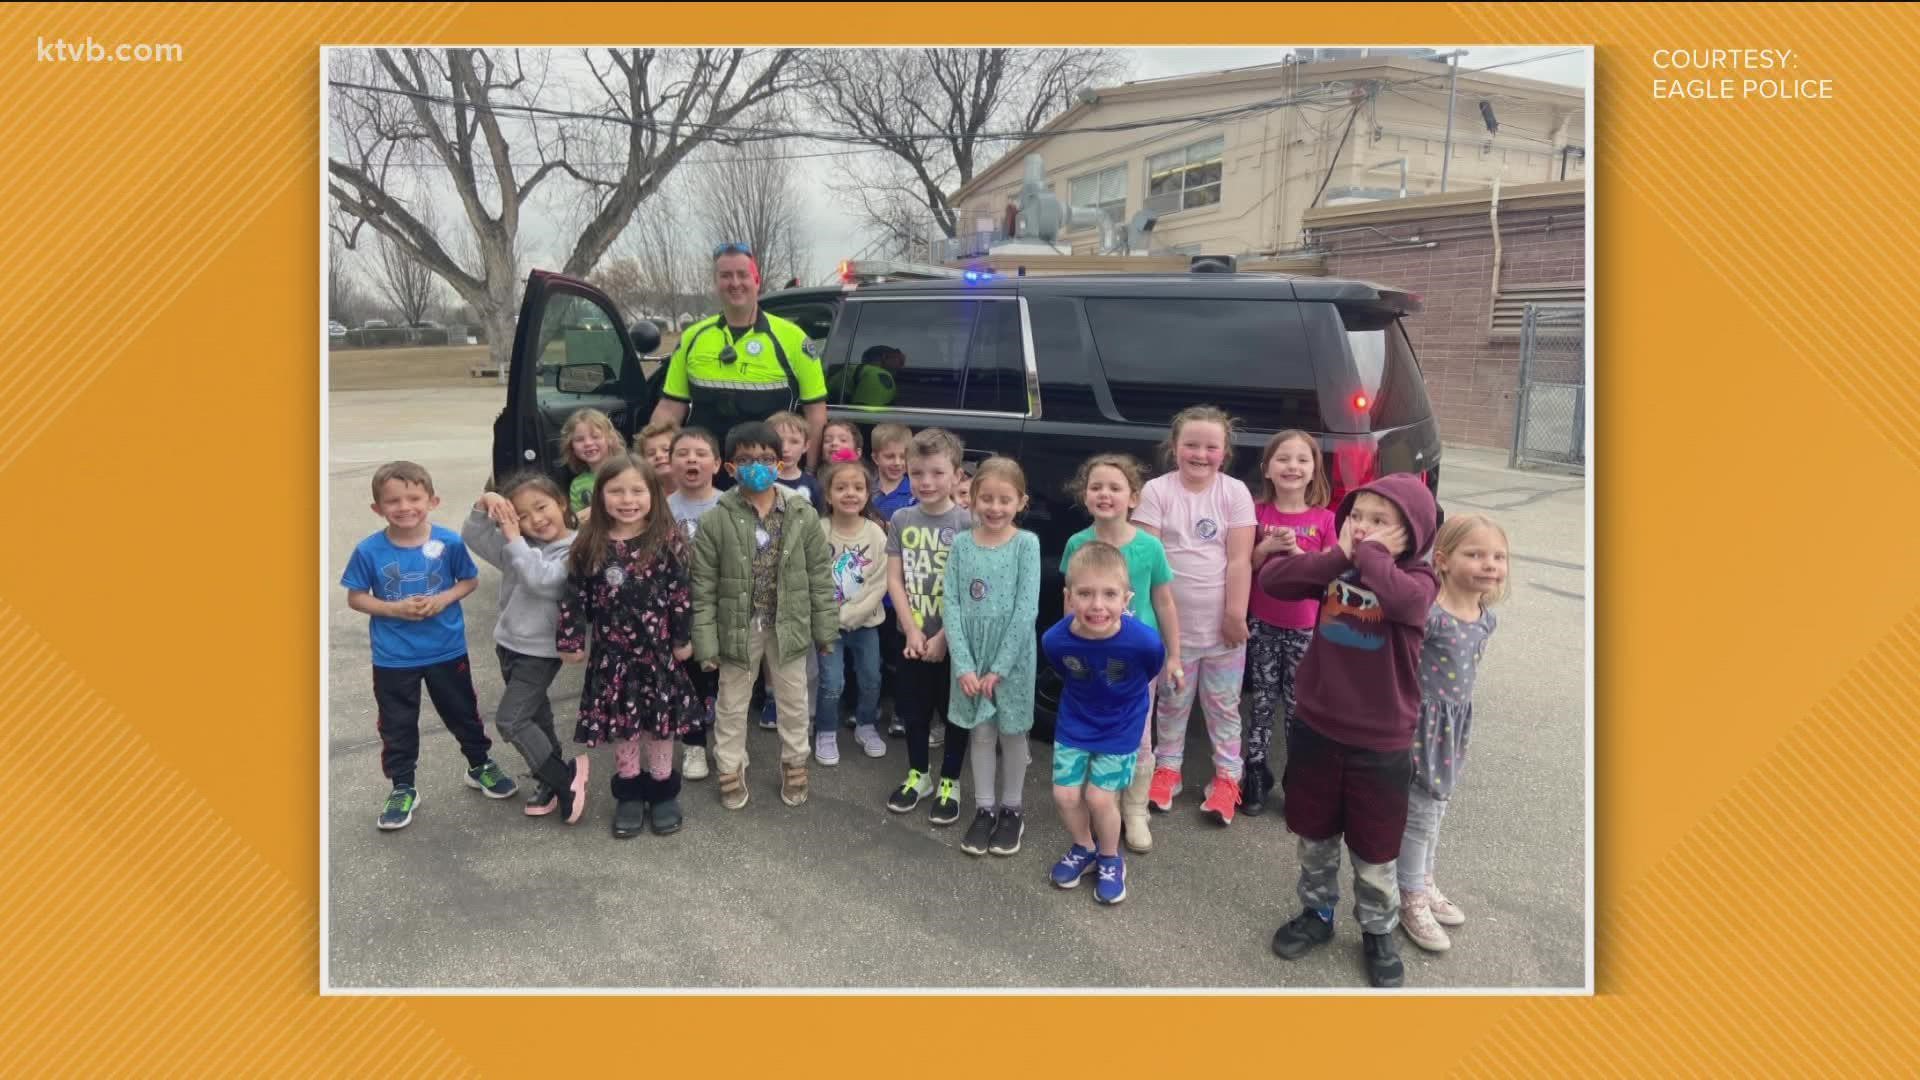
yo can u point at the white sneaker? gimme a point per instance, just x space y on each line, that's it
693 762
1445 911
1416 918
826 748
870 741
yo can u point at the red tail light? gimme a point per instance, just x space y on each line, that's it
1360 403
1350 465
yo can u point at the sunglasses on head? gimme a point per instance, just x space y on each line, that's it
733 247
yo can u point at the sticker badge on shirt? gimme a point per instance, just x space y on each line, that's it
977 590
1075 667
753 348
946 537
761 537
434 549
616 577
1206 528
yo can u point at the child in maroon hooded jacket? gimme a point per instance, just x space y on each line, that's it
1357 697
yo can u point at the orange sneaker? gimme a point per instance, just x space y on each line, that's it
1166 784
1222 796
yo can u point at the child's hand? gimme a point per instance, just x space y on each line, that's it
1347 538
988 684
1233 631
1289 541
935 649
916 644
416 608
573 657
970 684
1176 675
826 650
509 523
683 653
710 665
1393 538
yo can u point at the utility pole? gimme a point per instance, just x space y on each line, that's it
1453 81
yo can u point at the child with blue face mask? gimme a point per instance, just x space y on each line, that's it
762 592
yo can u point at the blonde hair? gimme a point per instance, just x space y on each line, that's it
1319 489
598 421
1454 533
657 429
999 468
887 435
1200 414
784 422
1098 557
936 442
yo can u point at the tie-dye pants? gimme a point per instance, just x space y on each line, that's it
1215 676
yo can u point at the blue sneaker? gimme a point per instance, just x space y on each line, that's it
490 781
398 811
770 716
1111 887
1074 865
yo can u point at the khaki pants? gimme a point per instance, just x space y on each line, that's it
788 684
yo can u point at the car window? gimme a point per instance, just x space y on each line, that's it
1384 361
580 354
1249 357
815 319
997 368
922 342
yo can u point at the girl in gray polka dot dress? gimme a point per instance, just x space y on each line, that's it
1470 557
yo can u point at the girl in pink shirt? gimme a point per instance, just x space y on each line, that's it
1293 517
1205 519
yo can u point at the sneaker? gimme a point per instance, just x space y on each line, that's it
693 762
770 716
1007 832
1416 918
1111 886
896 729
793 784
1306 931
826 748
577 792
666 817
492 783
733 789
1445 911
1166 785
946 803
937 737
979 834
1384 969
870 741
543 801
1223 794
908 795
629 819
1077 863
398 813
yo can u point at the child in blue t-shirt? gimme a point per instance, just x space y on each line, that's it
1107 662
410 578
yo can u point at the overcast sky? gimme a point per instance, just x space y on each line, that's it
836 233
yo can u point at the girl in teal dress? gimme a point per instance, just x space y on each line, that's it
992 602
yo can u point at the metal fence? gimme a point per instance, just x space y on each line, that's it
1551 426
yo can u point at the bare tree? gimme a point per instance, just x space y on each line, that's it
963 101
405 120
346 300
750 197
407 284
666 249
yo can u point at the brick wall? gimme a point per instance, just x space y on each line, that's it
1472 378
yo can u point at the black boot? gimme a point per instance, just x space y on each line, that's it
630 815
663 804
1384 969
1305 932
1254 788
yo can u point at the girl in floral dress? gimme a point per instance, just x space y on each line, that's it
629 580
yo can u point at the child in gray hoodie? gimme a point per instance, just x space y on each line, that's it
526 530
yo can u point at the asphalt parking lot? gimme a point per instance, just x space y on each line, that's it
842 893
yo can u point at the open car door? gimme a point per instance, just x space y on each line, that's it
571 351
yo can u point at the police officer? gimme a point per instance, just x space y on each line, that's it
869 382
742 364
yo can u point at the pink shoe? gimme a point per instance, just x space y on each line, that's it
1222 796
579 788
1166 784
1445 911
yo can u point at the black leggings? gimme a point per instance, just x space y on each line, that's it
920 694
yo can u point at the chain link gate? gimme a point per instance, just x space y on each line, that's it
1551 425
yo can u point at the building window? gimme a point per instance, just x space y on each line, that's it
1185 179
1105 191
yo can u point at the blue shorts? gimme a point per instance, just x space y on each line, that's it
1109 772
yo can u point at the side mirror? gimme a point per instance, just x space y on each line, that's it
583 378
646 337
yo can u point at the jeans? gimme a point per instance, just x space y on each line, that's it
863 647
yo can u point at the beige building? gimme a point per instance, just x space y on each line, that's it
1262 144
